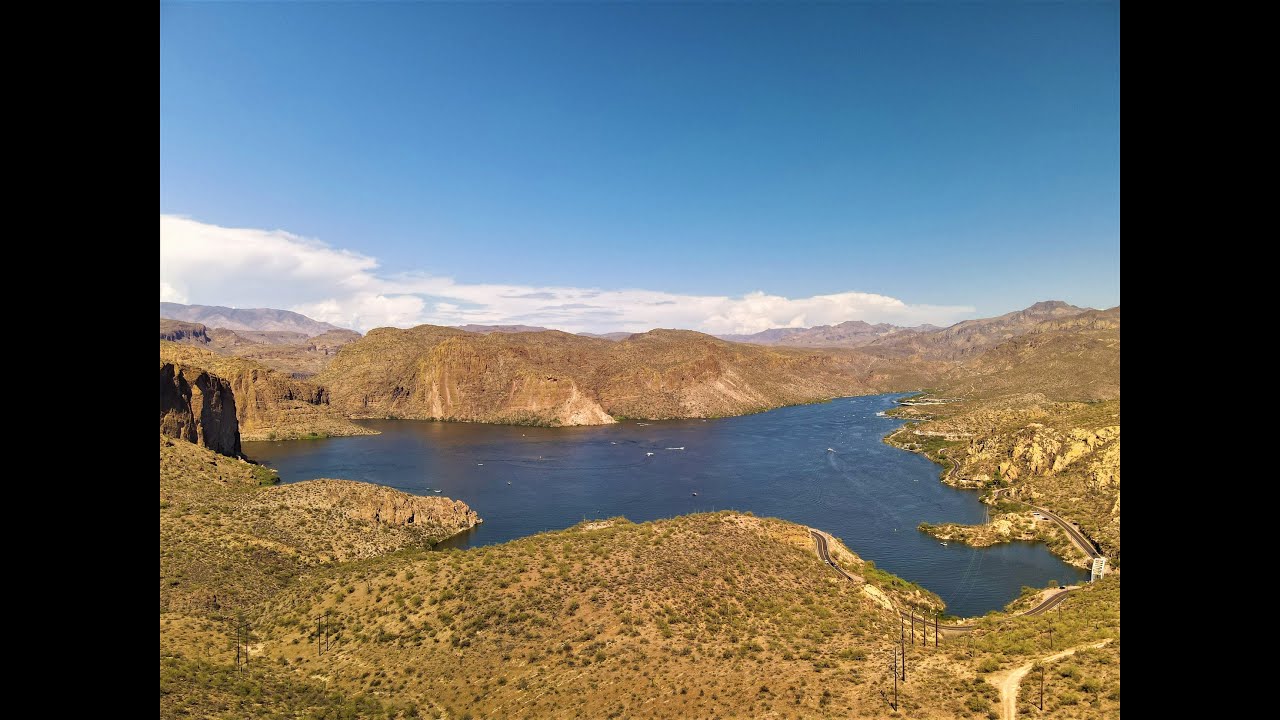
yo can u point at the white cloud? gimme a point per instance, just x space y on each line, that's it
169 293
213 265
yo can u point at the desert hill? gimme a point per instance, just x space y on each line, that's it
554 378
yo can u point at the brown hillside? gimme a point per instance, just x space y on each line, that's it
1072 358
554 378
968 338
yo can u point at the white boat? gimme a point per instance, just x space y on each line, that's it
679 448
695 494
437 491
943 544
647 454
480 464
830 450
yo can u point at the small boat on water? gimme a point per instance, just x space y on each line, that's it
647 454
695 494
508 482
479 464
943 544
437 491
830 450
679 448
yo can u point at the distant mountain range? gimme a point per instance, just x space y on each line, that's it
294 353
923 340
972 336
238 319
487 329
851 333
522 374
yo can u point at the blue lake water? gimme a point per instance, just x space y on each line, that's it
524 480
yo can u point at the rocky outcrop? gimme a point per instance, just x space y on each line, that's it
1043 451
198 407
379 504
1064 456
269 405
179 331
359 520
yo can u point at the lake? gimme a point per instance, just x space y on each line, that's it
524 480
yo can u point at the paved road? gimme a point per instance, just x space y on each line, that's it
824 553
1077 538
820 540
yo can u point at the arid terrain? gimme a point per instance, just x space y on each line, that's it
345 611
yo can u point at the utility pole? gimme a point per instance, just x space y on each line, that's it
242 639
1041 688
902 643
319 649
895 680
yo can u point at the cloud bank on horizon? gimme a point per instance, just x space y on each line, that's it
208 264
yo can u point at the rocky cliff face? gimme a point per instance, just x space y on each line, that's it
198 407
268 405
179 331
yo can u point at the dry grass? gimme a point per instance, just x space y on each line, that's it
227 542
1084 686
714 615
708 615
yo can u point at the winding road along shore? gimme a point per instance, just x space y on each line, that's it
1077 538
1073 533
822 544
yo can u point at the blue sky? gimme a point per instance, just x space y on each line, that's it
955 156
